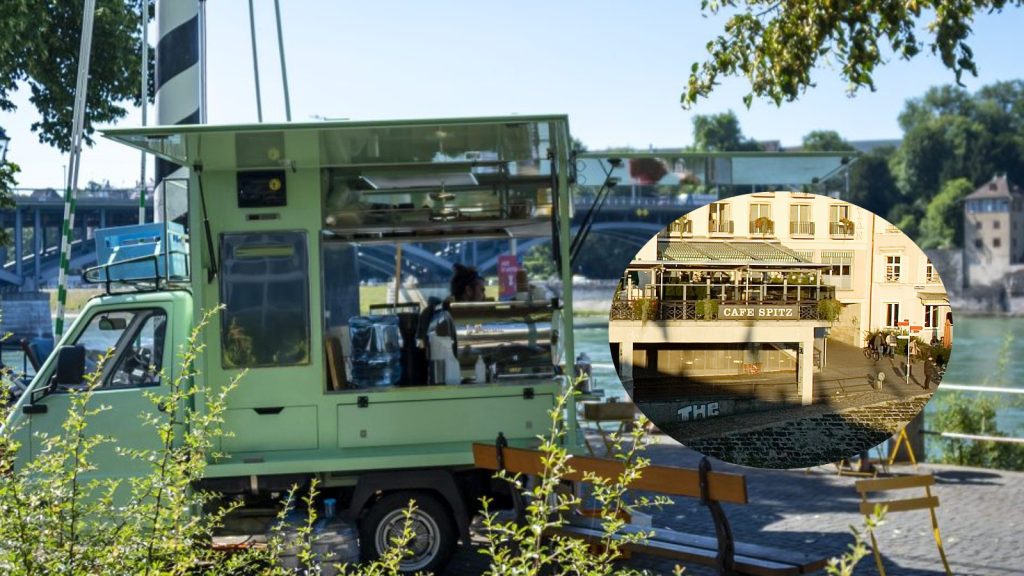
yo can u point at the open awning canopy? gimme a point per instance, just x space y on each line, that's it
454 145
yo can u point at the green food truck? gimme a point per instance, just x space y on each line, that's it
379 404
380 401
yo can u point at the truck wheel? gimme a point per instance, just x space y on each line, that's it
433 538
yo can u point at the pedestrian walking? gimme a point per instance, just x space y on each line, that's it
890 345
931 372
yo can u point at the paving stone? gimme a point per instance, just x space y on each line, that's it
981 517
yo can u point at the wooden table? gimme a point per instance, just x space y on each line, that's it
598 413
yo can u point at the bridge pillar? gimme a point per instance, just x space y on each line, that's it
19 252
103 217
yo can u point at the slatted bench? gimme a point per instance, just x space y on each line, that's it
712 488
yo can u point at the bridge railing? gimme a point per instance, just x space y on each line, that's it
978 437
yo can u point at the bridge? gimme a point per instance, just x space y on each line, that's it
31 260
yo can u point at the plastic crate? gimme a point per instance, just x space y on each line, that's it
128 253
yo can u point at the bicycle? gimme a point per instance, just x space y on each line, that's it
871 353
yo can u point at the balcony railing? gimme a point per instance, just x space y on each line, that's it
684 228
801 228
762 228
689 310
840 230
723 227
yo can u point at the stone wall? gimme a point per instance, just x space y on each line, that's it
818 439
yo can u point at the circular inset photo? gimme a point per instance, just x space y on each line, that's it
780 330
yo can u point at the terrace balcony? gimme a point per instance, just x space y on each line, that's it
720 227
691 301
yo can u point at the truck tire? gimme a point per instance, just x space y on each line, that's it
434 535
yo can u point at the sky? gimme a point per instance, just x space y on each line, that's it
616 69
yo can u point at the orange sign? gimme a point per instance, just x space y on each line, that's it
915 328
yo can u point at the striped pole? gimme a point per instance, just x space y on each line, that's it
77 124
178 80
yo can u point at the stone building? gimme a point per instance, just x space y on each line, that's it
993 232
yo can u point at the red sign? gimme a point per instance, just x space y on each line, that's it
508 265
903 323
916 328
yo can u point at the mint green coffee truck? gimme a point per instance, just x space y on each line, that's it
271 223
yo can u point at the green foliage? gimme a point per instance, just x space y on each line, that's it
526 548
776 45
39 41
825 141
720 133
943 224
975 413
829 309
844 564
539 263
707 308
7 183
645 308
872 185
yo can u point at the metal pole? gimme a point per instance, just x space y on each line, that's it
255 62
78 121
145 107
284 70
178 84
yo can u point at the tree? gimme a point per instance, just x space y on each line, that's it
539 262
720 133
825 141
39 44
7 172
776 45
943 224
872 185
951 133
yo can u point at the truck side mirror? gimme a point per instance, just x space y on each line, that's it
70 366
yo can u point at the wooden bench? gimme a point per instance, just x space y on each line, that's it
712 488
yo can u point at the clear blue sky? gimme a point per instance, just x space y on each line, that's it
617 69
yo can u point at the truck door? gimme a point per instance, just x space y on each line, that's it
138 361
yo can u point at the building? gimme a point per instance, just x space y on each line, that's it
993 228
770 261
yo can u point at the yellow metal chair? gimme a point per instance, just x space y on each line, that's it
929 502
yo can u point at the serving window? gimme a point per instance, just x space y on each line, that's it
426 339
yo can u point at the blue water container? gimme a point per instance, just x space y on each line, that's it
376 350
122 252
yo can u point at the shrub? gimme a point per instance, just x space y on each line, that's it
829 309
707 308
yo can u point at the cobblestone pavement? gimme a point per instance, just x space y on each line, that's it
981 516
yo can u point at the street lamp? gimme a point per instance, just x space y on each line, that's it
4 141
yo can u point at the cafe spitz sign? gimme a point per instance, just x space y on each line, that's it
759 312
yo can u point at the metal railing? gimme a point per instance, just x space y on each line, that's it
801 228
687 310
761 228
840 230
979 437
723 227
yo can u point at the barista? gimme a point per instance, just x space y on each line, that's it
437 328
467 285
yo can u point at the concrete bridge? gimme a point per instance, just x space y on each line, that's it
32 258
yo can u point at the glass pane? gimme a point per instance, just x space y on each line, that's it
265 290
101 336
142 359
